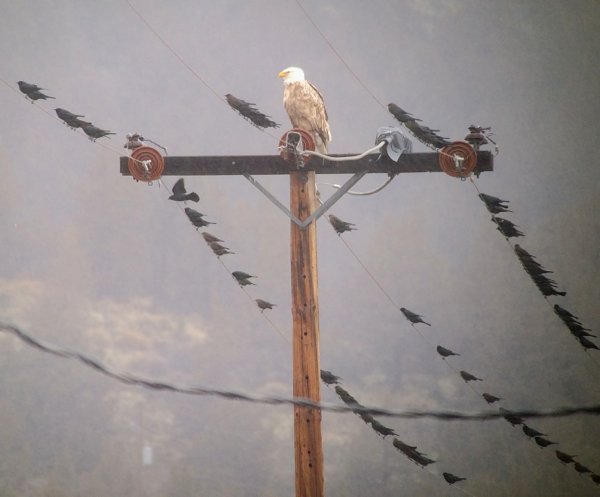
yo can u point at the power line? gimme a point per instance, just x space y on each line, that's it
131 379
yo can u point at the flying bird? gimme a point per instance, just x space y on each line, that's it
70 119
28 88
329 378
196 218
263 304
180 194
543 442
566 458
530 432
452 479
340 226
243 278
94 132
305 107
444 352
413 317
469 377
210 238
489 398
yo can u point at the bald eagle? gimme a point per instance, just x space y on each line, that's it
305 107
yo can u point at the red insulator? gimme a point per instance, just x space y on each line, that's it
293 143
458 159
146 164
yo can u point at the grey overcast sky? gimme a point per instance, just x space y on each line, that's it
95 262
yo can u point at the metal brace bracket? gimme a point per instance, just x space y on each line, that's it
319 211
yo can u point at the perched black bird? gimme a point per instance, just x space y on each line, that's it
38 95
566 458
581 469
94 132
494 204
346 397
196 218
329 378
420 459
180 194
506 227
469 377
400 114
412 317
412 453
595 478
452 479
340 226
444 352
587 344
511 418
219 249
248 111
70 119
210 238
384 431
243 278
263 304
579 331
543 442
489 398
366 417
530 432
28 88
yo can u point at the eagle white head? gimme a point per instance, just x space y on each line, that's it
292 75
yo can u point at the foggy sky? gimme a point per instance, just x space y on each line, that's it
97 262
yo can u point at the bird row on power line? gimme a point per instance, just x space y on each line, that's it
410 451
180 194
423 133
515 420
537 272
249 112
73 121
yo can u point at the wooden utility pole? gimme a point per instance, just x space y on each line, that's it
308 449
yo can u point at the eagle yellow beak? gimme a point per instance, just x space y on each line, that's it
283 74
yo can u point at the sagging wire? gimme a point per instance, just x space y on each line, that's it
131 379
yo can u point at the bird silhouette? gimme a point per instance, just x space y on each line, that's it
340 226
543 442
263 304
219 249
452 479
196 218
413 317
469 377
248 111
38 95
94 132
595 478
384 431
580 468
28 88
70 119
513 419
243 278
489 398
329 378
444 352
210 238
530 432
180 194
494 204
564 457
506 227
587 344
400 114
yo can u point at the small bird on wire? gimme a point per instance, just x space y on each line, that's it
242 278
587 344
444 352
329 378
32 91
219 249
506 227
564 457
263 305
413 317
580 468
94 132
469 377
38 95
494 204
70 119
346 397
452 479
249 111
180 194
196 218
543 442
489 398
513 419
210 238
340 226
400 114
595 478
384 431
530 432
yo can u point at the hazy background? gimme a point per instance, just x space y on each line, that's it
96 262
